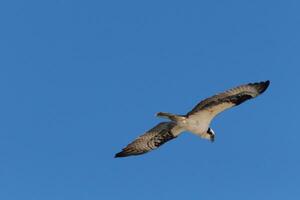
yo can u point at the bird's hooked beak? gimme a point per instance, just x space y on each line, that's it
211 134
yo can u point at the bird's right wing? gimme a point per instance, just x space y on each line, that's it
152 139
210 107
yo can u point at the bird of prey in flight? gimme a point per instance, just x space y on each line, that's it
196 121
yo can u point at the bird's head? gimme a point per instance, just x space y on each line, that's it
211 134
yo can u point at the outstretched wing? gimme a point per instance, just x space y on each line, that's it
212 106
152 139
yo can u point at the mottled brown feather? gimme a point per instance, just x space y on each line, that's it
152 139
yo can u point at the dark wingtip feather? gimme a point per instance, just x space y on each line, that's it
129 152
121 154
264 86
158 114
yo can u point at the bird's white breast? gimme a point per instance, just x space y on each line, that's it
197 124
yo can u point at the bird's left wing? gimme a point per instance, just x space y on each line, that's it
152 139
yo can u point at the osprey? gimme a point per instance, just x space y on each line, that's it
196 121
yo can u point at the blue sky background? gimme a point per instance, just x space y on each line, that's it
81 79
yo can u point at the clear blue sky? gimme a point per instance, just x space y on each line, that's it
81 79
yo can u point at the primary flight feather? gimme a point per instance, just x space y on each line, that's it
196 121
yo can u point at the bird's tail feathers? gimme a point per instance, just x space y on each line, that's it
170 116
